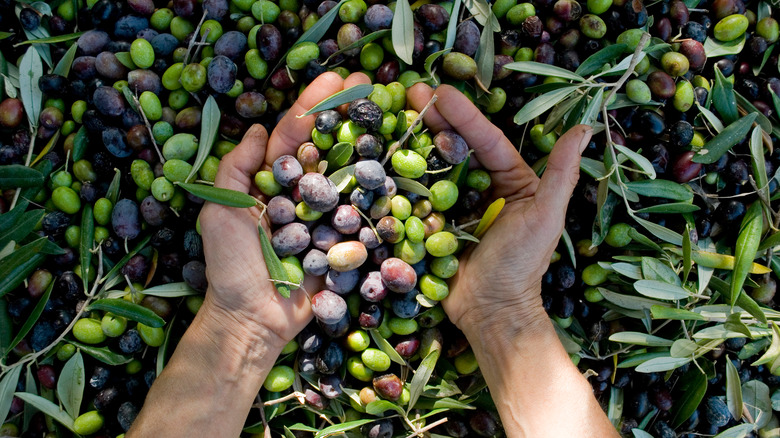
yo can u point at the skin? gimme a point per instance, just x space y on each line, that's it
225 355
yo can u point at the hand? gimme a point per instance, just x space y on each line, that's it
239 285
498 283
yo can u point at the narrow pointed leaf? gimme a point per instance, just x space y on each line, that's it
692 389
359 43
7 388
411 185
661 364
452 26
644 164
746 247
63 66
86 241
32 319
485 57
403 31
209 124
538 68
733 390
339 155
711 118
340 98
723 98
660 188
386 347
489 217
16 267
713 47
129 310
48 408
16 175
670 208
730 136
659 312
171 290
341 428
217 195
342 177
30 70
541 104
103 354
275 268
70 384
22 228
638 338
597 60
421 377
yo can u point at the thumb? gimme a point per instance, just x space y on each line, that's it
238 167
562 172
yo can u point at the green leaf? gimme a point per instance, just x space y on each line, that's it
130 98
687 257
761 119
5 327
758 161
623 65
660 232
654 269
47 408
597 60
63 66
125 59
113 189
340 428
339 155
664 313
171 290
636 359
16 232
17 175
52 39
615 407
670 208
31 320
753 348
421 377
80 143
746 247
379 407
733 390
403 31
138 247
342 177
385 346
755 395
711 118
209 125
639 433
430 60
70 384
770 242
31 387
126 309
275 268
644 164
538 68
7 388
630 302
713 47
723 98
21 263
541 104
487 219
606 203
452 26
638 338
86 241
661 290
359 43
683 348
30 70
340 98
103 354
660 364
217 195
569 248
459 172
561 110
412 186
721 143
691 391
447 402
592 110
739 431
162 351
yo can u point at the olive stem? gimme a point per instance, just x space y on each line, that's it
293 395
417 120
149 128
428 427
192 41
376 233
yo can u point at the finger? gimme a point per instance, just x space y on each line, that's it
356 79
418 96
291 131
237 169
562 172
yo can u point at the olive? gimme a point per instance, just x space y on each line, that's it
661 85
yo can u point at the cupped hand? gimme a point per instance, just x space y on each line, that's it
499 280
239 284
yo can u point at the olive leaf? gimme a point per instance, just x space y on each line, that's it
659 231
51 39
733 390
275 268
670 208
660 364
340 98
767 54
482 12
606 203
758 161
403 31
569 248
541 104
50 144
714 48
63 65
86 241
621 100
123 261
677 314
171 290
723 98
30 386
31 320
70 384
359 43
692 388
5 327
638 338
485 57
654 269
379 407
746 247
639 358
15 232
492 212
452 26
129 310
162 351
209 126
339 155
113 188
687 253
18 176
597 60
591 112
538 68
340 428
631 302
385 346
80 143
30 70
762 120
757 401
615 407
429 61
623 65
644 164
102 354
342 177
7 388
660 188
560 111
21 263
125 59
48 408
639 433
130 98
217 195
421 377
412 186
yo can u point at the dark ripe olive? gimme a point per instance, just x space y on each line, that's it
590 46
144 80
322 8
684 169
432 17
222 74
661 85
726 66
53 85
388 72
92 42
614 22
467 38
327 121
378 17
567 10
694 51
251 104
84 67
408 346
719 165
747 88
312 70
138 138
269 42
569 39
662 398
194 274
499 61
135 268
716 411
451 146
378 429
509 42
545 53
532 29
389 386
58 25
695 31
569 60
104 14
128 26
232 44
153 211
635 13
430 47
107 65
184 8
328 48
337 329
680 134
142 7
365 113
764 108
700 93
483 423
30 18
651 122
348 34
11 113
737 172
189 118
115 143
284 79
678 12
330 358
662 29
724 8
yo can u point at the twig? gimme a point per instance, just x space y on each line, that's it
397 145
293 395
376 233
148 127
419 432
194 38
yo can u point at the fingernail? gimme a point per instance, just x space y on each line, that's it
586 135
